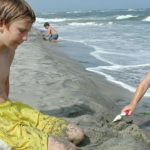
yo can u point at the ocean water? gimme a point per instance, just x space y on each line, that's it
119 39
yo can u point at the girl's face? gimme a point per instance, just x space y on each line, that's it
15 33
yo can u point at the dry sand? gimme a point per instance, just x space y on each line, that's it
45 78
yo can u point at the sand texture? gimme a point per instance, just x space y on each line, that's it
45 78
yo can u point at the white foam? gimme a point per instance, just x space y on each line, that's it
111 79
110 23
121 17
75 12
98 50
132 9
147 19
85 24
100 58
41 20
117 67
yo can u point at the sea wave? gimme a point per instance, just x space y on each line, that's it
73 12
41 20
112 79
146 19
121 67
85 24
122 17
131 9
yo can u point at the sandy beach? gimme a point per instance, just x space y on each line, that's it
44 77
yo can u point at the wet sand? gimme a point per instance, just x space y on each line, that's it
47 79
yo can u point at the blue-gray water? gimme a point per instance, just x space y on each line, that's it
119 41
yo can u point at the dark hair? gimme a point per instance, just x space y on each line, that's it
46 24
11 10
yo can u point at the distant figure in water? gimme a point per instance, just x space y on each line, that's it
51 35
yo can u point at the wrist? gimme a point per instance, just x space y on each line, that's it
133 104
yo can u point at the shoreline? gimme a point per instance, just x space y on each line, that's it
81 53
57 85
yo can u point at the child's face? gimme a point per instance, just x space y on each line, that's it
46 27
15 33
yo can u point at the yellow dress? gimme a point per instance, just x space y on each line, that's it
24 128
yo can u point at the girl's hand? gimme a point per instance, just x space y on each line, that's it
129 108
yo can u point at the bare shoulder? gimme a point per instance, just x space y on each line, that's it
4 64
51 28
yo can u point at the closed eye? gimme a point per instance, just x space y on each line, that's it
23 30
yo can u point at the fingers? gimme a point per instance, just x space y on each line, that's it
128 109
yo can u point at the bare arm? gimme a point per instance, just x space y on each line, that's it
6 58
4 90
140 91
11 57
7 86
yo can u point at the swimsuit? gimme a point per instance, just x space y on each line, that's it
25 128
53 37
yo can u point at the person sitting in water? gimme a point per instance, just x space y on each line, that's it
52 35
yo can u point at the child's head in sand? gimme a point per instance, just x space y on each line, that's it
16 19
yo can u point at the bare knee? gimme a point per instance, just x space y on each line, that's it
75 134
54 144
